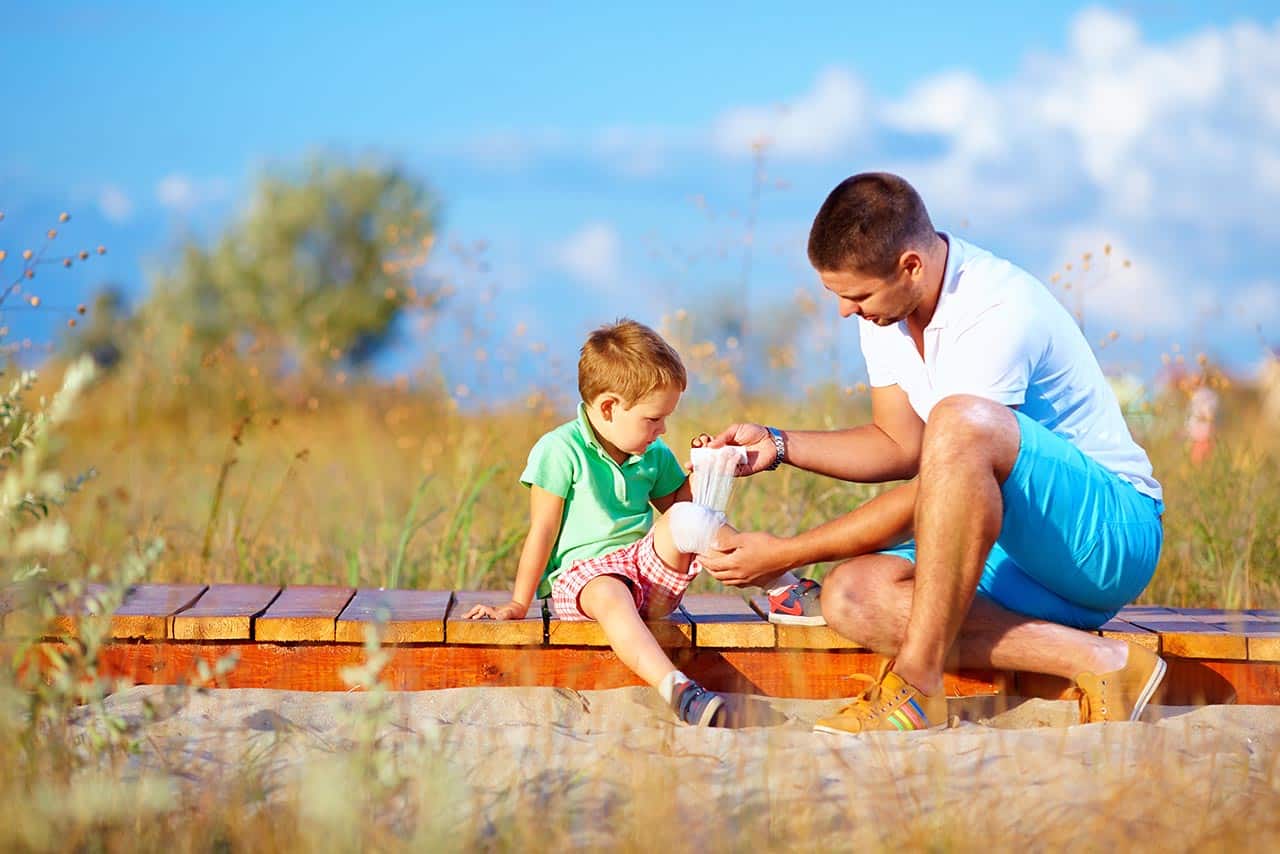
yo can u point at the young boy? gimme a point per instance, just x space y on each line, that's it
593 545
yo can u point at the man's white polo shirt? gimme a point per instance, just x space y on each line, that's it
998 333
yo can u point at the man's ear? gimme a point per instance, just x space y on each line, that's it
911 263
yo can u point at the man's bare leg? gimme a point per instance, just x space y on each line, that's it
970 447
869 598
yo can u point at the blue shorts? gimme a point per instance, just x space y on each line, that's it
1076 542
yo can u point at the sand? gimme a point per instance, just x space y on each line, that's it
602 768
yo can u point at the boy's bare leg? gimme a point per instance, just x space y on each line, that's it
665 546
674 558
608 601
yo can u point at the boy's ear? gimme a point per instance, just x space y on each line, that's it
608 404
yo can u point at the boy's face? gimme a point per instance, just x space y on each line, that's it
632 429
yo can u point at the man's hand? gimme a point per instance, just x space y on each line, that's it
511 611
745 558
761 451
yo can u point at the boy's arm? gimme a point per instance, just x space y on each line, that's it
684 493
545 512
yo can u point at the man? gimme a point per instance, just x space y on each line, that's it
1028 490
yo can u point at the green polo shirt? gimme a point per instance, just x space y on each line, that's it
606 505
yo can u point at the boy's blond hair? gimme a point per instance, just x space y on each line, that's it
630 360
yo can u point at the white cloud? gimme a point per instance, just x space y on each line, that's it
115 204
955 104
176 191
592 254
1156 133
828 119
182 193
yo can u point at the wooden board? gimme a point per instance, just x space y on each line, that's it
725 621
303 613
224 612
1265 614
1187 637
803 637
146 609
1127 631
672 632
66 622
779 673
418 667
523 632
1264 646
411 616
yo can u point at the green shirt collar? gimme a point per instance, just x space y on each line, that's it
588 434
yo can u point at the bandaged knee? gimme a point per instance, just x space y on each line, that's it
693 527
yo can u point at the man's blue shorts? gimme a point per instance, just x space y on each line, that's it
1076 542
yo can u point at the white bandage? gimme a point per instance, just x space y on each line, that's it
713 473
693 527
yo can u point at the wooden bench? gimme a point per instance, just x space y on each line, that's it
300 638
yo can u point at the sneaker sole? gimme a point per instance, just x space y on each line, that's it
796 620
833 731
709 713
1148 690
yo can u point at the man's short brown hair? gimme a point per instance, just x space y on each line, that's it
866 224
630 360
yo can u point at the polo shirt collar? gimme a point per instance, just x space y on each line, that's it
950 280
588 434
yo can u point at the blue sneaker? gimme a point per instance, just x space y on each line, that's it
695 705
798 605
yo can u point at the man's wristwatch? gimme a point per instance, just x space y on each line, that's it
776 435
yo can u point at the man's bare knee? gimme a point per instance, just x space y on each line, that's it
964 425
863 599
840 594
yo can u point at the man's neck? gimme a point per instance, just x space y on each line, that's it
936 273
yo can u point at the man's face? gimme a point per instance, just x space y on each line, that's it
883 301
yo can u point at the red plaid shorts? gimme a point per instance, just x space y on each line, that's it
656 587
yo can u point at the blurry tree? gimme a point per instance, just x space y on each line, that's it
106 331
320 264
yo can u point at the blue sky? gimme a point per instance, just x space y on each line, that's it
603 155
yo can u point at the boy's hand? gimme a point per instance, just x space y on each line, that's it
511 611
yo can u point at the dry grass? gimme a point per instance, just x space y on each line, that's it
297 483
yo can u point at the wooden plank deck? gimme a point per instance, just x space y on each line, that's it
400 616
300 638
303 613
529 631
224 612
726 621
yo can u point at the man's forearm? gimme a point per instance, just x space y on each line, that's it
864 454
884 521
